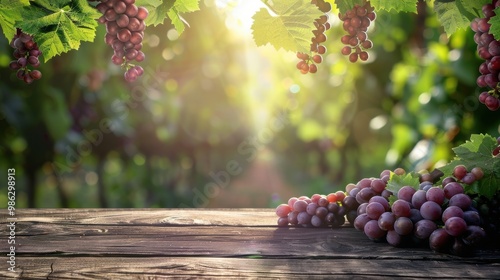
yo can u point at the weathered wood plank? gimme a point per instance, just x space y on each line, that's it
164 217
75 239
225 243
40 267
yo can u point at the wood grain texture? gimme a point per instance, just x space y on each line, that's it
193 243
256 268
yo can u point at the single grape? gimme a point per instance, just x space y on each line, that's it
373 231
406 193
316 221
455 226
393 238
303 218
360 221
430 210
300 206
386 221
424 229
403 226
452 211
283 210
36 74
401 208
459 171
382 201
471 217
435 194
440 240
418 198
452 189
461 200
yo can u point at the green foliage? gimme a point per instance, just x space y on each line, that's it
396 5
345 5
290 28
10 12
160 10
59 26
396 182
458 14
478 153
495 24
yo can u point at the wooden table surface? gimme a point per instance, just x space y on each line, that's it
213 243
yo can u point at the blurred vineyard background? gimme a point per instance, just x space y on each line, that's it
217 122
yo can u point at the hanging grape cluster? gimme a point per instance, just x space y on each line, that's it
488 49
356 23
308 61
26 53
124 33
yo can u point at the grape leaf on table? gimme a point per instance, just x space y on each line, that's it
396 5
59 25
457 14
10 12
396 182
478 153
289 27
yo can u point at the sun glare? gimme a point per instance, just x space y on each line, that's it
240 12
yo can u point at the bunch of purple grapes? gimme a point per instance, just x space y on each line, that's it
356 23
317 211
307 63
441 217
26 53
488 49
125 30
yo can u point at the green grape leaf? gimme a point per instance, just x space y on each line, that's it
289 27
396 182
396 5
160 10
458 14
59 26
346 5
478 153
495 24
10 12
157 10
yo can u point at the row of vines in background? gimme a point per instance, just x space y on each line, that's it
412 101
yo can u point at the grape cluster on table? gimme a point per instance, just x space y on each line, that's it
26 53
488 49
124 33
438 216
